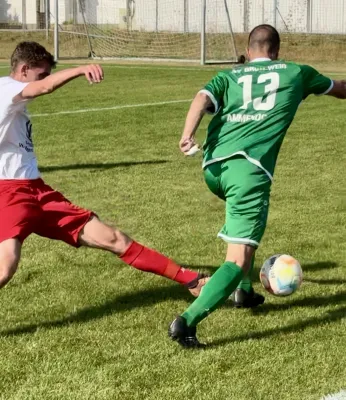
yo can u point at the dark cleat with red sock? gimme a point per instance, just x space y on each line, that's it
183 334
242 299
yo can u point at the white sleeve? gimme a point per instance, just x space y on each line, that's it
9 91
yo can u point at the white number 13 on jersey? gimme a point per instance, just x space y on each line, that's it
259 104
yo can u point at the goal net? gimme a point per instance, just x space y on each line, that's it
179 30
190 30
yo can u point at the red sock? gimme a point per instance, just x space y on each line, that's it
148 260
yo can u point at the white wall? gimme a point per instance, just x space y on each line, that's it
329 17
168 15
326 16
12 11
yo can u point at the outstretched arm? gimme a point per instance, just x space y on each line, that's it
338 90
199 106
93 73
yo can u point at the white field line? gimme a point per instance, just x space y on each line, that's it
192 68
134 67
87 110
151 67
201 68
336 396
168 67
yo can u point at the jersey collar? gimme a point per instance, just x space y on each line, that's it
260 59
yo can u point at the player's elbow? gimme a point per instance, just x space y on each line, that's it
46 88
339 90
340 95
36 89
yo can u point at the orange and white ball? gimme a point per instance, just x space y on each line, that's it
281 275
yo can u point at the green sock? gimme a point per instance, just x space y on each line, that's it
246 282
214 293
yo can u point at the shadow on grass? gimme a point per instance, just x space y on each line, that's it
312 267
312 301
318 266
326 318
102 166
123 303
149 297
326 281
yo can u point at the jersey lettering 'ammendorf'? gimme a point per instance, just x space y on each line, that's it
254 106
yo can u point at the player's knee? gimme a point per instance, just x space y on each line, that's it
102 236
242 261
115 240
122 243
241 255
9 259
8 267
108 238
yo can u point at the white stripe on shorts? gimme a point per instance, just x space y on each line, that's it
229 239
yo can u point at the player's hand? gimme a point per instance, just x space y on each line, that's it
92 72
186 144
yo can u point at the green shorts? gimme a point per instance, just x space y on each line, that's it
246 190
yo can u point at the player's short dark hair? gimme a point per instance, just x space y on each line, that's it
264 37
32 54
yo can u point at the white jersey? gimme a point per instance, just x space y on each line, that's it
17 157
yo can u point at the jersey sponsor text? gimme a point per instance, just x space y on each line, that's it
245 117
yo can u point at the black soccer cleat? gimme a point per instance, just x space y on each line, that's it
242 299
183 334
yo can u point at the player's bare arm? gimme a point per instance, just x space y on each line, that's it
338 90
199 106
93 73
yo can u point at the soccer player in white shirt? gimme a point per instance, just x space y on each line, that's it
28 205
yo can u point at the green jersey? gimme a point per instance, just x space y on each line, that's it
254 105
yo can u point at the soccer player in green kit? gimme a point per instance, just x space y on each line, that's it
254 105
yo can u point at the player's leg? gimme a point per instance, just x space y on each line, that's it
99 235
244 296
255 203
9 259
19 214
222 283
245 284
77 226
216 291
246 189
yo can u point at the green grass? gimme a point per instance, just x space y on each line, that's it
79 324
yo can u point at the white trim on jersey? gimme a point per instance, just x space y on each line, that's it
328 90
261 59
242 153
212 98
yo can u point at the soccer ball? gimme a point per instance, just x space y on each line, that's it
281 275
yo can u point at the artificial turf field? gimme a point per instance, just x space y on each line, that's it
79 324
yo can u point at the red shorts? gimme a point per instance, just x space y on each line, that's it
31 206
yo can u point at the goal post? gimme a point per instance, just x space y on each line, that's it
217 42
153 30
